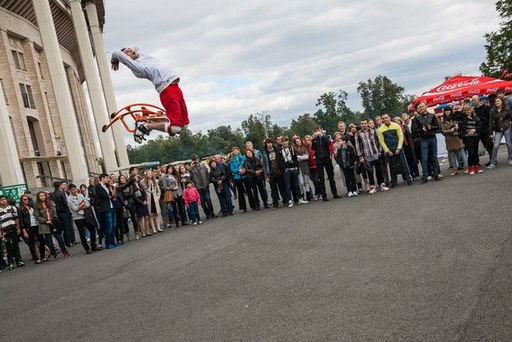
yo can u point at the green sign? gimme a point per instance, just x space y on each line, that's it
14 191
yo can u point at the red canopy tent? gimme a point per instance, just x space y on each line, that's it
461 87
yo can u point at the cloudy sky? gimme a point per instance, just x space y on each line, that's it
241 57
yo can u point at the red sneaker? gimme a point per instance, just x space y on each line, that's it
471 171
478 169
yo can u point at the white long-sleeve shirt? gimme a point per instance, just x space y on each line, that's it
148 67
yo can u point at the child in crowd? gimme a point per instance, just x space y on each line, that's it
192 202
346 158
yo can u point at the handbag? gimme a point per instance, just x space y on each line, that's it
395 165
168 197
126 213
56 226
89 216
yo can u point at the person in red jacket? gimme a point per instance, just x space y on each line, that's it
313 174
192 202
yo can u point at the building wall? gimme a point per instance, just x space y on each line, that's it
34 116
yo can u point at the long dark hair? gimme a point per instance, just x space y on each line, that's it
46 203
24 206
447 109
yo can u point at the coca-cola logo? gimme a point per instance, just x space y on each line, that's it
456 95
438 98
474 92
492 90
462 84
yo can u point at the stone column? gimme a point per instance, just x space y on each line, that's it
108 89
10 167
61 90
93 84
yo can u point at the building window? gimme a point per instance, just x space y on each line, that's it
19 60
3 90
40 70
28 97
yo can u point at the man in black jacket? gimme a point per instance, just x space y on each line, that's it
484 112
291 174
425 126
274 171
105 210
321 145
60 198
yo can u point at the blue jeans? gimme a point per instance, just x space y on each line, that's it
170 212
454 160
68 229
193 209
429 152
107 224
224 195
497 139
49 243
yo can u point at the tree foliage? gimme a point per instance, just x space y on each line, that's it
334 110
499 45
303 125
380 96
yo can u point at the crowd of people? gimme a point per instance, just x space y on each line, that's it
370 157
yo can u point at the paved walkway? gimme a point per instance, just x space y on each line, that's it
421 263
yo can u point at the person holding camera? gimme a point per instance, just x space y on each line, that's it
242 184
425 126
77 204
200 177
321 145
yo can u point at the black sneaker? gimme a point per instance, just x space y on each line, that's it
424 180
336 196
488 163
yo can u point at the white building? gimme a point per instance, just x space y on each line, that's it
48 49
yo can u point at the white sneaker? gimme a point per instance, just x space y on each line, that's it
200 222
355 193
440 175
350 194
195 223
290 204
372 189
383 187
301 201
429 178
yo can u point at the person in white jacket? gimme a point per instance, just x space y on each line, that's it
166 83
77 204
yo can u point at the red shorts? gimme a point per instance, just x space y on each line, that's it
175 106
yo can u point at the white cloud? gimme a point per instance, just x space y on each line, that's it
237 58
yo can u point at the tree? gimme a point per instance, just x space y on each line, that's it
380 96
499 45
254 128
334 110
222 139
304 125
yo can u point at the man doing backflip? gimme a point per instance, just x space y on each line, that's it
166 84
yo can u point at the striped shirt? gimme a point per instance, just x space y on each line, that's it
8 217
367 143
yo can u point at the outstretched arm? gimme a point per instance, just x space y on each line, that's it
134 66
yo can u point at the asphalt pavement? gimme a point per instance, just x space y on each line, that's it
426 262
